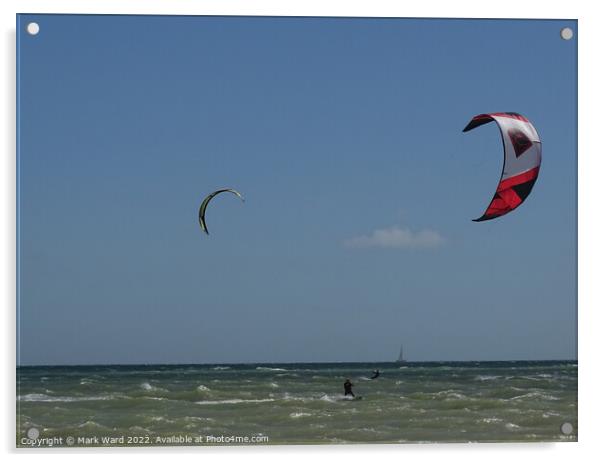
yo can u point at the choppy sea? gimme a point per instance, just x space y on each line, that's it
296 403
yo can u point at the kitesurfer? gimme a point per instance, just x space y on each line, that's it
375 375
348 388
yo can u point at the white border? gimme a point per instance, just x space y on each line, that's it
590 306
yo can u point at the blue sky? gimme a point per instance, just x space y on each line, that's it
335 131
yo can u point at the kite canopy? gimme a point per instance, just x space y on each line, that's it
522 158
206 201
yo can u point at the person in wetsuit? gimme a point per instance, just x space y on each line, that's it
348 388
375 375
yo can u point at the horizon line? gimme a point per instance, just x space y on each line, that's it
298 362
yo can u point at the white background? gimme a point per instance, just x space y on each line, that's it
590 306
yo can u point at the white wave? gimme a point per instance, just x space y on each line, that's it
40 397
296 415
161 419
90 424
484 378
235 401
455 396
490 420
203 388
447 395
288 397
221 368
335 398
277 369
536 378
274 385
198 419
87 382
148 387
511 426
369 430
536 394
138 429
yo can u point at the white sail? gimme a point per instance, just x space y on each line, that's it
400 359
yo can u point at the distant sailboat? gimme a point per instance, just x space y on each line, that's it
400 359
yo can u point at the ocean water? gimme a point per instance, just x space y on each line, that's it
296 404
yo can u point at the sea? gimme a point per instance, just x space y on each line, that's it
263 404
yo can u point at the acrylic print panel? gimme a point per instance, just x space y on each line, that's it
259 230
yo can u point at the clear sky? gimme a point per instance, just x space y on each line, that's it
344 136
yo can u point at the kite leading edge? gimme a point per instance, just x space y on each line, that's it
206 201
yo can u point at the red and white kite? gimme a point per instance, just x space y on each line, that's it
522 158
